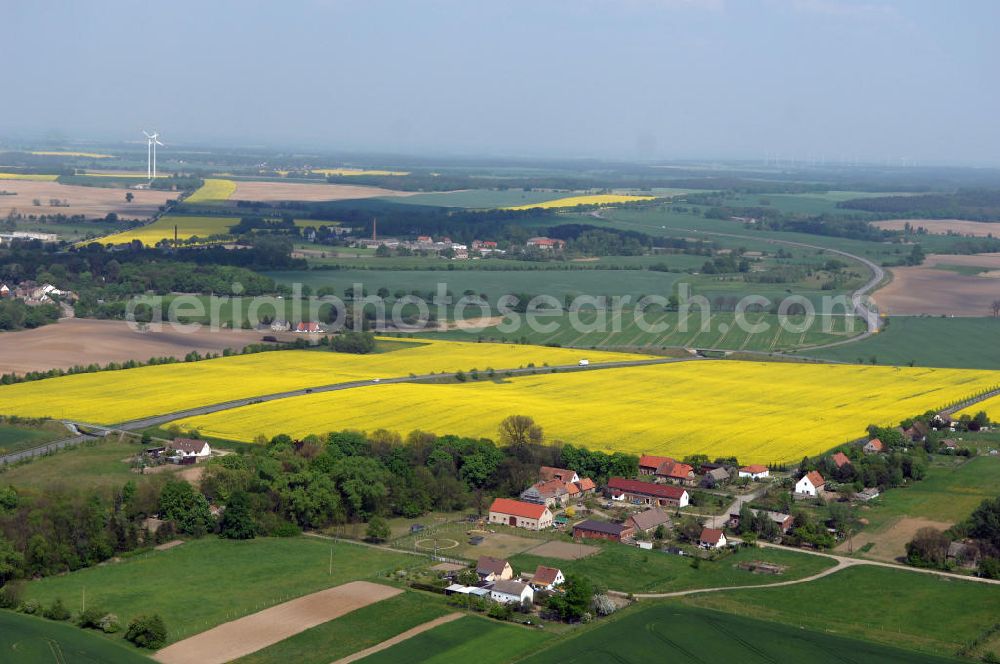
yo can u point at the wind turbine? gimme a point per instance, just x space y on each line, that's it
152 140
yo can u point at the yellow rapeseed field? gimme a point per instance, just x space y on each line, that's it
593 199
118 396
991 406
213 190
28 176
163 228
760 412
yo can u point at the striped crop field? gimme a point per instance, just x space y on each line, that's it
117 396
28 176
761 412
213 191
591 199
163 229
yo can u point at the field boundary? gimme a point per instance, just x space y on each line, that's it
399 638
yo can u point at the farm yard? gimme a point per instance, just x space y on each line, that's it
833 403
152 390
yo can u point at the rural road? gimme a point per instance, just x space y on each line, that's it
157 420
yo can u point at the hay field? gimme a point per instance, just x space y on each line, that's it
90 202
942 226
119 396
593 199
762 412
292 191
70 153
163 229
355 171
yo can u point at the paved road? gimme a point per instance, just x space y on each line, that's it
158 420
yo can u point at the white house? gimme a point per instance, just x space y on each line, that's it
712 538
191 448
810 484
507 592
755 472
547 578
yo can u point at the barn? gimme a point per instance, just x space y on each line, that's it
517 513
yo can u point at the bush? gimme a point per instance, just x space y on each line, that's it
91 618
500 611
147 632
30 607
10 594
603 606
109 624
57 611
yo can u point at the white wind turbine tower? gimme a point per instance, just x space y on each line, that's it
152 140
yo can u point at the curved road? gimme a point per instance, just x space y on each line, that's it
157 420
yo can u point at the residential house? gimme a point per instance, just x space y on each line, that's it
712 538
874 446
188 447
840 460
613 532
492 569
547 578
281 326
546 243
4 290
810 484
949 443
520 514
867 494
715 477
586 485
676 472
308 328
546 473
649 464
511 592
647 493
550 493
650 520
918 432
755 472
782 520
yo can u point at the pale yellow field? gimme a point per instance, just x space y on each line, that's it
991 406
593 199
355 171
118 396
760 412
163 228
213 190
67 153
28 176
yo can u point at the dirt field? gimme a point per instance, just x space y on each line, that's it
942 226
929 289
81 341
93 202
249 634
281 191
890 543
564 550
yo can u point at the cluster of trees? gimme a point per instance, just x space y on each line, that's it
974 204
980 541
16 315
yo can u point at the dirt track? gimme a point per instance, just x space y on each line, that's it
281 191
81 341
249 634
92 202
399 638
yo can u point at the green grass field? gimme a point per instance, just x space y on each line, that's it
478 198
631 569
964 343
468 639
206 582
14 437
670 632
31 640
353 632
927 613
950 492
100 463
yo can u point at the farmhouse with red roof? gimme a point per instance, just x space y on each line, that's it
509 512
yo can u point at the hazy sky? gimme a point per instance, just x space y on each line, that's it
634 79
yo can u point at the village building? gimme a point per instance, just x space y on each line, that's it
511 592
650 520
612 532
308 328
712 538
874 446
782 520
551 493
531 516
547 578
546 243
867 494
918 432
755 472
647 493
188 447
715 477
281 326
810 484
840 460
546 473
492 569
